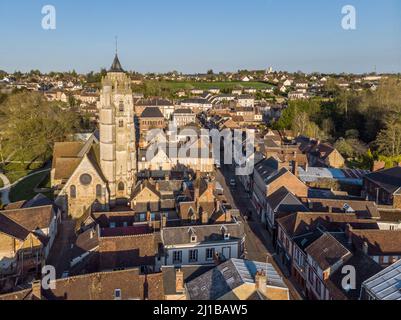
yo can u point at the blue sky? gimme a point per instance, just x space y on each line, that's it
194 36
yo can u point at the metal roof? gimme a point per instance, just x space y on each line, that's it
386 285
247 270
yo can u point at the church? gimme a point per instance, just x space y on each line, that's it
100 173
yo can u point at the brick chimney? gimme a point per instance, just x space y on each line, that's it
261 281
164 220
179 281
204 217
37 290
228 216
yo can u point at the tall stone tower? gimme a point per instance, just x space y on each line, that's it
117 133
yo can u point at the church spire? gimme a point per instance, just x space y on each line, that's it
116 66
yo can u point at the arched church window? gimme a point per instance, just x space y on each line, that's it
85 179
121 107
121 186
73 192
121 123
98 191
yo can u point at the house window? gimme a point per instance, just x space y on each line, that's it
85 179
193 239
121 123
73 192
193 255
121 186
98 191
177 257
210 253
121 107
117 294
112 225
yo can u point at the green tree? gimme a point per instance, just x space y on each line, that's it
34 125
389 139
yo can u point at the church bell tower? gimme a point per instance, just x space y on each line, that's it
117 133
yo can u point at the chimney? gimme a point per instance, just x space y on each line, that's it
204 217
228 216
365 248
164 220
37 290
348 233
261 281
179 281
295 168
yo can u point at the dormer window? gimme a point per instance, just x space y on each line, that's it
117 294
193 239
225 233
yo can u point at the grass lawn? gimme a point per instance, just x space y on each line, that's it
15 171
177 85
24 190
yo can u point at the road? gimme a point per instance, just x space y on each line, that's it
258 244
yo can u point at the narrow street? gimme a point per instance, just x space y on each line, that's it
258 244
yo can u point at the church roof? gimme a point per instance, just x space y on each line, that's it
116 66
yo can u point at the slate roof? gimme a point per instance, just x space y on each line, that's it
224 278
267 168
388 179
190 273
385 285
365 268
152 112
116 66
204 233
